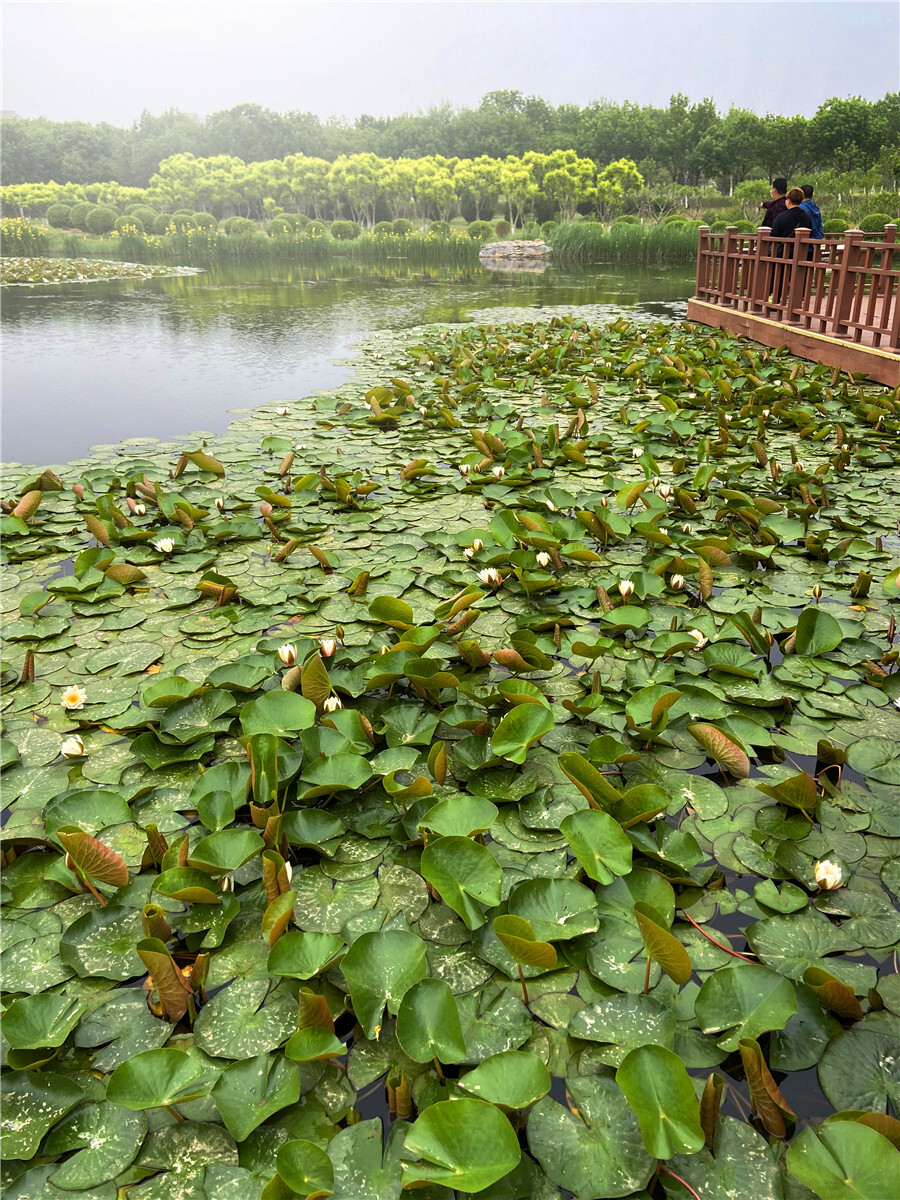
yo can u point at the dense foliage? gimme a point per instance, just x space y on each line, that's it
684 143
518 724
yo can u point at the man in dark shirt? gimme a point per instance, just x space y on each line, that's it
809 205
793 217
777 204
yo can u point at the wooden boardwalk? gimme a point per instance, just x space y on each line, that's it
836 301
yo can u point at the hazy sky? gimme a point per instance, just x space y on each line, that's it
109 61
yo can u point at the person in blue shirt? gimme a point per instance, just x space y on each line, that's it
809 206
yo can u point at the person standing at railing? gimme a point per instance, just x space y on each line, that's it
809 206
785 225
777 204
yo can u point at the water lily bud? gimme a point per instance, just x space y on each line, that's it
551 506
665 491
477 544
410 401
73 697
687 528
543 559
463 469
656 481
282 412
384 650
498 472
676 582
636 452
626 588
266 510
288 654
726 419
700 638
332 704
72 747
226 884
604 502
490 577
469 552
78 489
164 545
828 875
219 503
423 411
328 647
765 413
817 592
140 510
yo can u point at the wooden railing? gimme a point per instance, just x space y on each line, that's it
845 286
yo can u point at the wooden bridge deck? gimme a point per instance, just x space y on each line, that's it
836 301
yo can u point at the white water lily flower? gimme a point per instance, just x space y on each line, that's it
384 650
829 875
626 588
665 491
219 503
282 412
72 747
463 469
543 559
676 582
551 506
332 704
687 528
656 481
140 510
288 654
491 577
477 545
289 871
328 647
469 551
765 412
73 697
423 411
498 472
700 638
636 452
164 545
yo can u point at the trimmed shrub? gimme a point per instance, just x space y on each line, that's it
295 220
160 223
279 227
835 225
182 221
344 231
745 226
501 228
78 213
131 223
317 229
676 224
718 227
205 220
440 229
547 230
183 212
626 219
143 212
59 216
874 223
100 220
382 228
530 230
239 225
673 219
401 227
479 231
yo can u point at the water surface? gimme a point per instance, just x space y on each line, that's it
98 363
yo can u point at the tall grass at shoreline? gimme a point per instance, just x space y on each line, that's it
590 242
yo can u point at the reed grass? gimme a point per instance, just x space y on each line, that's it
590 242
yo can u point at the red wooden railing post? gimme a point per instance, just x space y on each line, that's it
794 290
729 266
758 291
702 246
846 281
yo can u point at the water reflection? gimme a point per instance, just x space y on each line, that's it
101 362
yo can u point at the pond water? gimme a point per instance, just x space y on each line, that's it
89 364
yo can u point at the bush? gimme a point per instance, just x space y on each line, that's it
295 220
674 224
100 220
59 216
183 212
530 231
239 225
501 228
547 230
78 214
382 228
874 223
745 226
479 231
718 227
626 219
401 227
182 221
439 229
279 227
143 212
344 231
159 224
835 225
131 223
205 220
673 219
317 229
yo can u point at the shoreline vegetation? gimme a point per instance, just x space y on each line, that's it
470 706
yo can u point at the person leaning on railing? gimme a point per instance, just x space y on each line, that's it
794 217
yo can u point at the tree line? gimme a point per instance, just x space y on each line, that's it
687 143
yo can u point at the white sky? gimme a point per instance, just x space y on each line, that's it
109 61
